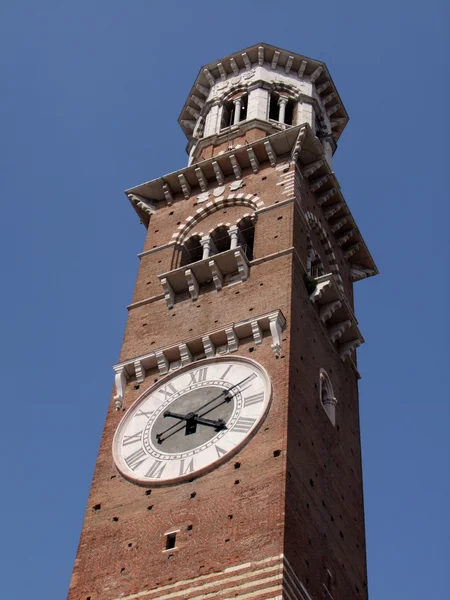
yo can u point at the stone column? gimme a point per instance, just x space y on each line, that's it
237 111
206 243
282 102
234 234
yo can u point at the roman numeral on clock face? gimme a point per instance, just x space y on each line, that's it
247 382
186 469
143 413
136 459
167 390
220 451
198 375
131 439
156 470
243 425
255 399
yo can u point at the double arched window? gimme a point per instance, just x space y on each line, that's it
224 237
327 398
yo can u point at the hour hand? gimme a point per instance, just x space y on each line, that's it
187 417
218 424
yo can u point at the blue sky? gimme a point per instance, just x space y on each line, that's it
90 97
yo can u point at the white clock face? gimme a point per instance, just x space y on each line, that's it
192 421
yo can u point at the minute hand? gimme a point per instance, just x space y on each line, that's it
223 393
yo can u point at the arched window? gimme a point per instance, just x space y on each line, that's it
220 240
314 266
191 251
327 398
281 108
246 235
234 111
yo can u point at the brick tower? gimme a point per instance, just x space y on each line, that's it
230 462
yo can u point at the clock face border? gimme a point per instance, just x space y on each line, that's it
118 457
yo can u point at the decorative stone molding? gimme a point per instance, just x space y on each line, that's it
318 183
312 168
218 172
139 370
143 204
298 144
336 314
329 212
236 185
315 76
167 194
315 224
253 160
322 198
357 272
326 395
270 153
184 185
230 266
222 340
201 179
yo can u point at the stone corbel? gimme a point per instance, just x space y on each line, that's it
232 339
322 198
277 324
218 172
216 275
327 310
351 251
120 380
332 210
169 294
184 185
203 183
242 265
143 204
185 355
312 168
338 224
253 160
192 283
236 167
167 194
298 144
347 348
210 349
343 239
163 363
270 153
336 331
257 332
139 371
318 183
358 272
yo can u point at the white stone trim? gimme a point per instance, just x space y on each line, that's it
315 224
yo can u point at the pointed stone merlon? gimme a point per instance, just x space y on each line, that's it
346 349
253 160
120 379
312 168
218 172
209 77
336 331
322 198
185 355
167 194
142 203
234 66
327 310
236 168
209 347
169 294
223 73
216 275
192 283
315 74
184 185
242 265
270 153
298 144
358 272
202 181
139 371
163 363
232 339
260 55
303 66
257 332
277 323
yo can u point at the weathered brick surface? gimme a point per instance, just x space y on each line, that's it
306 502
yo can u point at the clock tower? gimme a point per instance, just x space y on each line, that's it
230 462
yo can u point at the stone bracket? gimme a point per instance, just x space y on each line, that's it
220 341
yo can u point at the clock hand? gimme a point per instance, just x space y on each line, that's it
219 423
221 394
